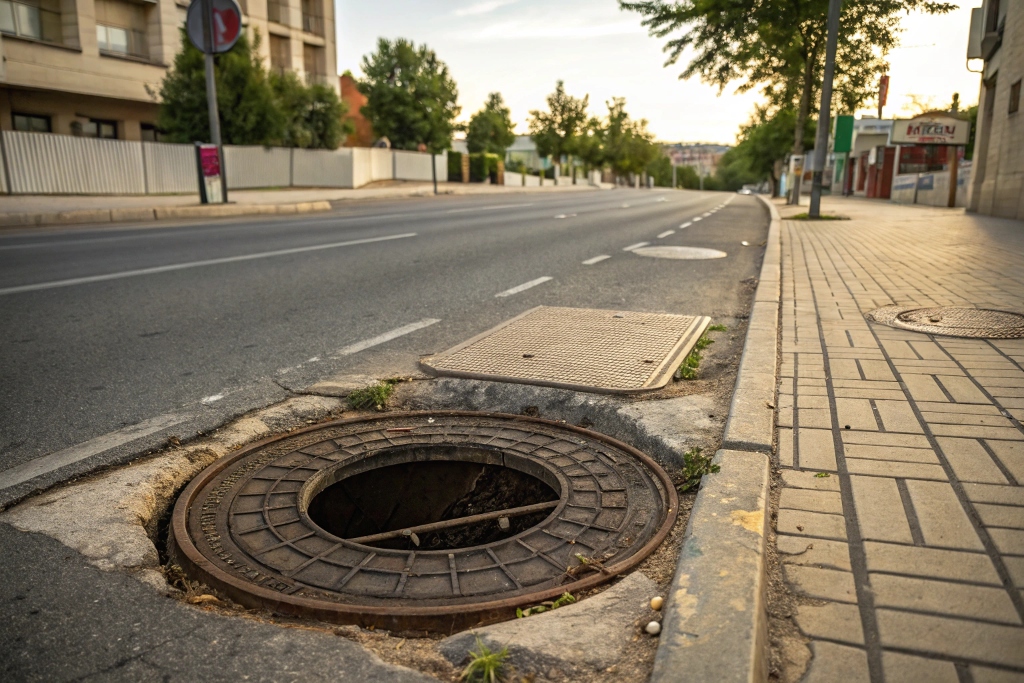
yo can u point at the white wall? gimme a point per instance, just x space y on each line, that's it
43 163
932 189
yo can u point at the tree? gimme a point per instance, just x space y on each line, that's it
248 107
491 128
313 115
763 143
628 145
410 97
255 108
556 132
590 144
780 44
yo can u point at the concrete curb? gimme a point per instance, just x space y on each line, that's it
715 623
138 215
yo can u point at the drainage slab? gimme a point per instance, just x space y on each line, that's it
952 321
437 521
585 349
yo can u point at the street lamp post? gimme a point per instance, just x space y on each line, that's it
824 111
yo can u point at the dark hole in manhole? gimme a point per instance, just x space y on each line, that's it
439 486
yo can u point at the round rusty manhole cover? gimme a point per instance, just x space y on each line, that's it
434 521
952 321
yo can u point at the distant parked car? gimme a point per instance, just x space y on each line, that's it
744 191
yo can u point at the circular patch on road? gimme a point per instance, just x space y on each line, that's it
952 321
437 521
681 253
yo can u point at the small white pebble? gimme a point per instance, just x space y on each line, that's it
654 628
745 243
656 603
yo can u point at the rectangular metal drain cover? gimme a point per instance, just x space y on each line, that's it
577 348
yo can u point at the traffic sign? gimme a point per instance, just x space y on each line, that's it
225 25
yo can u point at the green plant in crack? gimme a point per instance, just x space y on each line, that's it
688 368
484 665
374 396
565 599
695 466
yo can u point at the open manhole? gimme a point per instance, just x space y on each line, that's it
436 521
951 321
587 349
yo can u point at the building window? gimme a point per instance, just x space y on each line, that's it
1015 97
280 54
312 17
32 123
121 29
277 11
36 19
150 133
313 64
95 128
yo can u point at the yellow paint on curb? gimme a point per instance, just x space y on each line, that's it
751 521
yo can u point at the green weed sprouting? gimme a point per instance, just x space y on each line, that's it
485 666
565 599
695 466
374 396
690 364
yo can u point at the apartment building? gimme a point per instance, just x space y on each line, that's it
93 68
997 179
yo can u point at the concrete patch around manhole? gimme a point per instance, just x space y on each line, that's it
952 321
415 544
574 641
681 253
577 348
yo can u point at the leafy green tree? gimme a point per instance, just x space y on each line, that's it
491 128
556 132
628 145
763 144
590 145
313 115
249 114
410 97
780 45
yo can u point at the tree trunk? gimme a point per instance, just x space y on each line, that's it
802 112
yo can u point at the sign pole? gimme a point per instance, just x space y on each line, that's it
821 139
211 91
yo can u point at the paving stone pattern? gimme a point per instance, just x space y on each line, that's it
913 545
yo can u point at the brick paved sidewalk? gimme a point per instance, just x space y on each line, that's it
912 547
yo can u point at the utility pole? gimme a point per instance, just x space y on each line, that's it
824 111
673 175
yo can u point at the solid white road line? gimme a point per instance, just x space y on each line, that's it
386 337
523 287
635 246
685 225
194 264
666 234
493 207
48 463
596 259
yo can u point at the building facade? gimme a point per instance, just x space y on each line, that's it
93 68
997 175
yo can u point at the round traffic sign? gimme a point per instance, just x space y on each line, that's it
225 28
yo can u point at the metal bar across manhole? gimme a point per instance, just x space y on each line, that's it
436 521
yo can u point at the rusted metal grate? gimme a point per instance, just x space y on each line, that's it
577 348
243 525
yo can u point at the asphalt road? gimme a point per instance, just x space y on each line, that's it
115 338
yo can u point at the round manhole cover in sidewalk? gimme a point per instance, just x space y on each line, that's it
435 521
951 321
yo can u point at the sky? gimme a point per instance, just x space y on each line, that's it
520 48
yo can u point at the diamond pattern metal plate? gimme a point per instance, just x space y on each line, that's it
577 348
952 321
242 525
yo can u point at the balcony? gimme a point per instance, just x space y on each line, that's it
277 12
29 21
122 42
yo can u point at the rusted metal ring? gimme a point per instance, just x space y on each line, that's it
308 572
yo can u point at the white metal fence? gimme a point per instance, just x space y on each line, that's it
43 163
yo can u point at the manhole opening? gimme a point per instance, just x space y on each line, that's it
438 498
